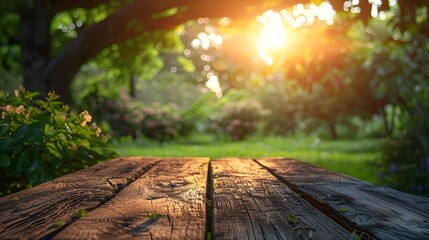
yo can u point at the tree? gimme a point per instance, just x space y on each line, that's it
125 20
44 70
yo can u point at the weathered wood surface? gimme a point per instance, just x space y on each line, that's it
381 212
250 203
153 198
167 202
37 212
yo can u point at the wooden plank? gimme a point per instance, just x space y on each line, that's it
382 212
39 211
168 202
250 203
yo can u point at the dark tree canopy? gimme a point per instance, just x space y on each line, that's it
44 71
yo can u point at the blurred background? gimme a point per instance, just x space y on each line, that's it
341 84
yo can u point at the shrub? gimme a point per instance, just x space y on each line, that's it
122 116
283 106
239 119
160 122
406 167
43 139
197 116
129 117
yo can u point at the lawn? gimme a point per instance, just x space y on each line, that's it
357 158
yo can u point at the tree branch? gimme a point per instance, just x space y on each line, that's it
121 25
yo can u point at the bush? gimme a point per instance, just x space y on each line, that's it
197 116
43 139
239 119
283 107
129 117
160 122
406 167
123 116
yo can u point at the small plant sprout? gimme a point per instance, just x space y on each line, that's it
154 215
81 213
58 223
292 219
343 209
356 235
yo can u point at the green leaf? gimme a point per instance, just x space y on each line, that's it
292 219
3 128
81 213
5 144
343 209
52 148
4 160
154 215
58 223
85 143
21 132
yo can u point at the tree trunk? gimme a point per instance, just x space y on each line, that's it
44 73
332 129
35 45
133 80
389 123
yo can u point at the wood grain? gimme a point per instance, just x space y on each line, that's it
250 203
382 212
36 212
168 202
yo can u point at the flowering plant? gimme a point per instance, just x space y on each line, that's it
161 122
43 139
129 117
239 119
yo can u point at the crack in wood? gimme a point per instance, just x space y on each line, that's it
116 190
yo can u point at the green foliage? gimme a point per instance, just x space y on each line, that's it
81 213
42 139
129 117
57 223
284 107
168 87
122 115
154 215
292 219
10 52
161 122
403 82
197 115
239 119
406 167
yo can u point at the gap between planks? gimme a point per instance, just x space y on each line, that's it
38 212
117 187
251 203
167 202
209 233
326 210
378 212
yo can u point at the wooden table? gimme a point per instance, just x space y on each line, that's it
194 198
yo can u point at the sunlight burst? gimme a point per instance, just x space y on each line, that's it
272 36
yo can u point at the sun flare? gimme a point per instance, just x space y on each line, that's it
272 36
273 32
277 30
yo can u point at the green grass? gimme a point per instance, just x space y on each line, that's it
357 158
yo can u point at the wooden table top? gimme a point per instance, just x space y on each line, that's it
194 198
